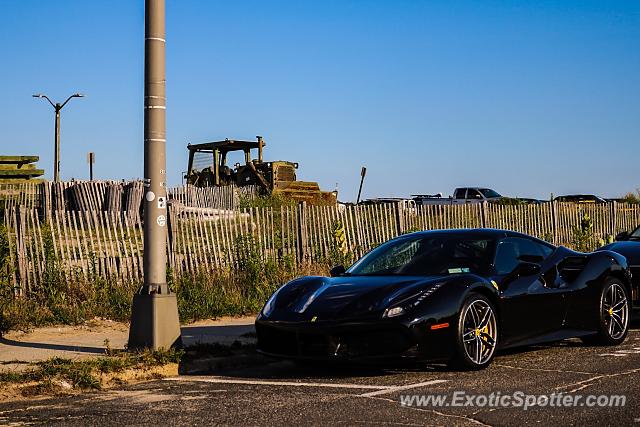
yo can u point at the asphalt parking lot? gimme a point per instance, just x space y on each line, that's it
282 393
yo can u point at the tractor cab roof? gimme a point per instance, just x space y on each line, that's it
225 146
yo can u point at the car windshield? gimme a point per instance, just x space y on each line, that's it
427 255
635 235
488 193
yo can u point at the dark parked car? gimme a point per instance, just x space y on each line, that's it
581 198
628 245
456 295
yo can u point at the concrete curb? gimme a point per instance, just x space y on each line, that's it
208 365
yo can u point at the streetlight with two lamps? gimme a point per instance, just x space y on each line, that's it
57 107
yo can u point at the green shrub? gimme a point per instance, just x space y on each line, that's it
339 253
5 260
583 235
632 197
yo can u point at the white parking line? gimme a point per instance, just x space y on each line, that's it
280 383
401 388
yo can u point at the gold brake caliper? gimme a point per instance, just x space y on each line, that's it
480 331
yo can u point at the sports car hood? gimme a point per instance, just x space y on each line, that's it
345 297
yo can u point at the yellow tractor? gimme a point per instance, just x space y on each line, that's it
208 168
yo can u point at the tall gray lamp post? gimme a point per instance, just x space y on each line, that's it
154 316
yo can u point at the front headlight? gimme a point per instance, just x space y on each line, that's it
410 302
393 312
270 304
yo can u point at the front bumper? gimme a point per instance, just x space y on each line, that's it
345 340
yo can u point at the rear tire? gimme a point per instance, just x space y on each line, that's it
476 335
613 315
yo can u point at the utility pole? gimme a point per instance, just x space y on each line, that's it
56 153
154 316
91 159
363 173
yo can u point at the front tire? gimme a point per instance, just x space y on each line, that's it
613 315
476 335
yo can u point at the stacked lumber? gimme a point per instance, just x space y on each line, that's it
19 169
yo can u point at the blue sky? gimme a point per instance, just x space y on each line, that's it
528 98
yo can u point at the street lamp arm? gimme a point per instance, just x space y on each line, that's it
50 101
39 95
75 95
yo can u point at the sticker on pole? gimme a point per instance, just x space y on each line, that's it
162 202
162 221
150 196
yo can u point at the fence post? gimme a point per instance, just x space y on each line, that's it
18 212
483 214
170 242
302 235
554 221
613 220
45 201
281 250
400 218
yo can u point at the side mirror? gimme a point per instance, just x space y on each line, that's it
621 237
336 271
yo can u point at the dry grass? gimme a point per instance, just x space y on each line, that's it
59 375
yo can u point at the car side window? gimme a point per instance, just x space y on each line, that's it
460 193
473 194
513 250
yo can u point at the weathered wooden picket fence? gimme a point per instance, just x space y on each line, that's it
82 244
113 196
48 197
212 197
27 194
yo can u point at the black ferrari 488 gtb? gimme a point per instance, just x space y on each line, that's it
454 295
